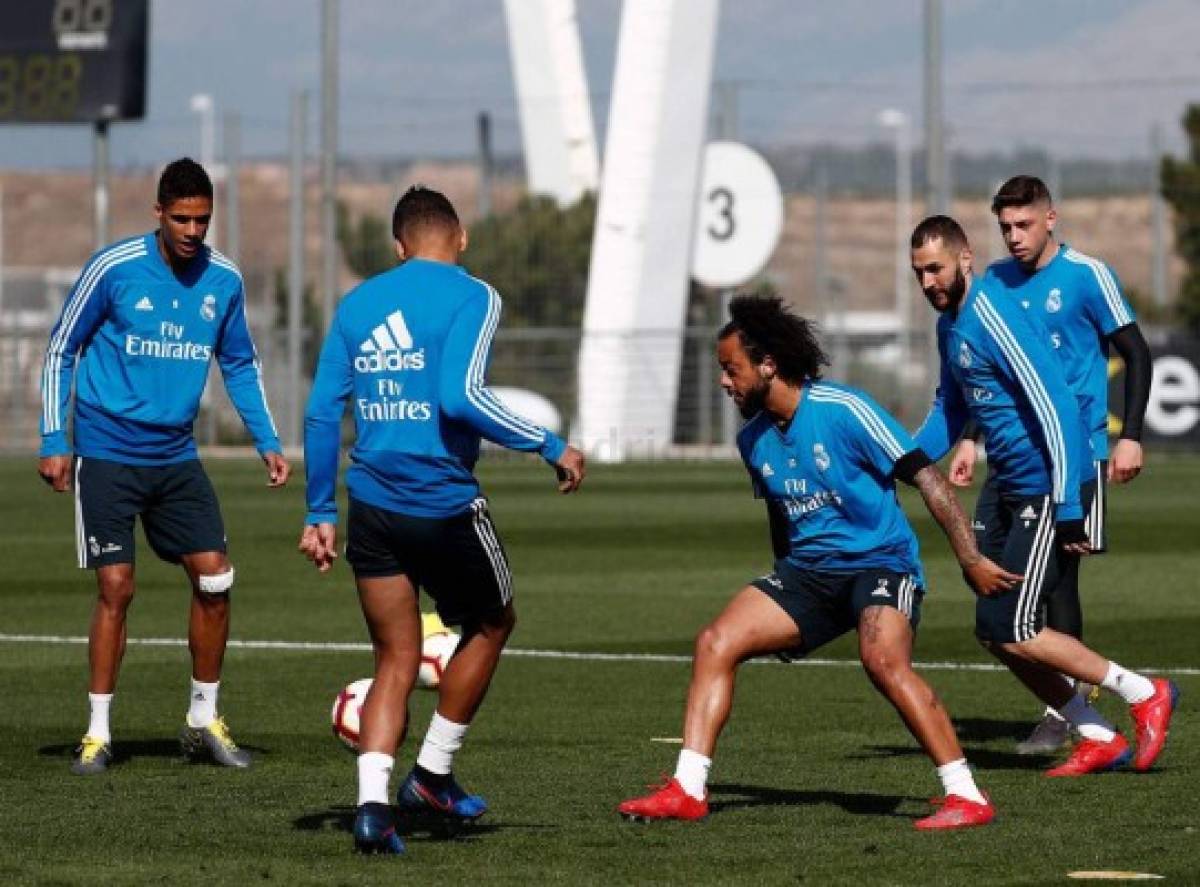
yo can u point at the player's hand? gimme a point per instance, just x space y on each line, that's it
570 470
1072 537
318 542
278 469
962 464
56 471
1125 463
988 578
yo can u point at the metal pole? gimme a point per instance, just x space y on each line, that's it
484 128
903 226
329 148
232 133
820 275
726 130
100 182
1157 221
937 197
295 291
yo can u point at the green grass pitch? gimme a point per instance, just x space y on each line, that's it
815 780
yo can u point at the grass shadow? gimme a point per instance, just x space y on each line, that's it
858 803
128 749
435 828
978 757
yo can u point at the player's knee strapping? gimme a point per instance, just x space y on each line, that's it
219 583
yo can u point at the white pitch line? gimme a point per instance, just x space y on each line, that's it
358 647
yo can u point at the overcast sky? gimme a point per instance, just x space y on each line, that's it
1078 77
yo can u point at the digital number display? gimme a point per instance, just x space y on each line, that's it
72 61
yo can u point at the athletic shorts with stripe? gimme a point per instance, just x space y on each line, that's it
457 560
1093 493
1017 532
825 604
176 502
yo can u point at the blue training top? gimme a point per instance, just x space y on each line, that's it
1078 299
830 474
137 338
410 348
998 368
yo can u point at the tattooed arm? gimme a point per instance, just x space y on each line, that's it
983 575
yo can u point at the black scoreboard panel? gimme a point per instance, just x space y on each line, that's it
72 61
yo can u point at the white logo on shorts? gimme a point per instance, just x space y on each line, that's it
881 588
93 546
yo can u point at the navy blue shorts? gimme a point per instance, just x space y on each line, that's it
825 605
1018 533
177 504
458 560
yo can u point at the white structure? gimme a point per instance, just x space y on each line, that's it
638 280
552 96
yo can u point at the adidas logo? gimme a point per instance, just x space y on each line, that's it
388 348
767 471
1028 513
144 304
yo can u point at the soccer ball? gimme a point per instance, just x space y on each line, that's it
347 712
436 650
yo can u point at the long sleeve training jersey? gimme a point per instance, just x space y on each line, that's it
136 339
409 350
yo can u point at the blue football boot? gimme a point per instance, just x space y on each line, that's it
449 801
375 830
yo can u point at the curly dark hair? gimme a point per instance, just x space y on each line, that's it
181 179
422 207
767 328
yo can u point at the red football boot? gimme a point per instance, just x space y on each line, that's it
955 811
1093 756
667 801
1151 718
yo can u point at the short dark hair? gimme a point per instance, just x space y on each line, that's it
941 228
421 207
181 179
1021 191
767 328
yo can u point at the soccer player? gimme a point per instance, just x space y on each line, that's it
137 334
1000 370
826 459
410 349
1078 299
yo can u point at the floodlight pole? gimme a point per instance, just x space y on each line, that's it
897 122
100 182
329 123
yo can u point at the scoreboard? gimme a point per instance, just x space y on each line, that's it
72 61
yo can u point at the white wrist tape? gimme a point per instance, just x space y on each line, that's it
218 584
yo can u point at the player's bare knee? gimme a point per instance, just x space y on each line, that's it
115 594
215 585
882 666
712 643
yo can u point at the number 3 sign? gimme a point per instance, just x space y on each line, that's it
739 214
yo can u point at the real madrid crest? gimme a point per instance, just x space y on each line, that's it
208 308
820 457
964 355
1054 301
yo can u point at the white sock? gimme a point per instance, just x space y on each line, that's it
957 779
443 739
374 771
98 704
692 772
203 708
1130 686
1089 722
